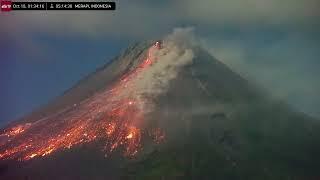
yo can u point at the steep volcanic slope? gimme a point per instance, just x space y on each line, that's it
111 113
162 111
94 82
220 127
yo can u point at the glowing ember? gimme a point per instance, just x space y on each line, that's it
33 155
110 116
110 128
129 136
16 130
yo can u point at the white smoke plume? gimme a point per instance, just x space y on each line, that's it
176 52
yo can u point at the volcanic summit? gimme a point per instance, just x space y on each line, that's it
162 109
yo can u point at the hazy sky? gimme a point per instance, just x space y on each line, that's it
273 43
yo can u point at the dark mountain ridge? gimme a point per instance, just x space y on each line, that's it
217 126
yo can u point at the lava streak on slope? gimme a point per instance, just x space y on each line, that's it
113 116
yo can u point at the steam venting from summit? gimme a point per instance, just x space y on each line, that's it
166 62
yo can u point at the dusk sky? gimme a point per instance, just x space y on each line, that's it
275 44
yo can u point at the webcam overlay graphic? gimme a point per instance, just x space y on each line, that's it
9 6
6 5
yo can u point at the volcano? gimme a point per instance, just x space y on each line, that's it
162 109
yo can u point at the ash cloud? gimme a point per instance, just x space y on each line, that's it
176 52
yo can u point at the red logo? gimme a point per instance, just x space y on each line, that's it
6 5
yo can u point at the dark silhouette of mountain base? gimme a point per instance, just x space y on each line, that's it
217 126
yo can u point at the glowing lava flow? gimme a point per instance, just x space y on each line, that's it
112 116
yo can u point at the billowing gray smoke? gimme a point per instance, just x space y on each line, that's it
176 52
